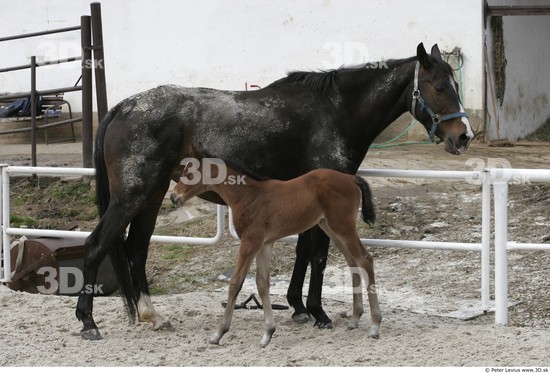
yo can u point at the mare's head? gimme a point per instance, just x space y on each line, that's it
436 104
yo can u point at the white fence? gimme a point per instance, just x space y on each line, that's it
499 178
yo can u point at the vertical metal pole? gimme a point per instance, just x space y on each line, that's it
6 222
33 111
500 189
99 61
2 272
87 122
485 239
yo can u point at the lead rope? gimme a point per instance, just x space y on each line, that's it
19 259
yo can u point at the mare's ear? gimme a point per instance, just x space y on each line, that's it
436 53
423 57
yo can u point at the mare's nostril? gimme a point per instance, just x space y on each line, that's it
464 140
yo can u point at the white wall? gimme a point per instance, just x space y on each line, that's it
223 44
526 103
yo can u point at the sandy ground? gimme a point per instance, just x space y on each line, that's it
42 330
415 287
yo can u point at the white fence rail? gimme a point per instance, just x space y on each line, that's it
8 231
481 177
499 178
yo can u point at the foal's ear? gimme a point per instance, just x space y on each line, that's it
436 53
423 57
185 172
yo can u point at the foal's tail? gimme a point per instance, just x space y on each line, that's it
367 208
117 252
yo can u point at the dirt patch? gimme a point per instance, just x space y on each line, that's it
189 282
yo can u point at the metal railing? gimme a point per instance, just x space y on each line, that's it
90 28
498 178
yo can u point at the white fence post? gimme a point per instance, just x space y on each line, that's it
500 188
485 239
5 222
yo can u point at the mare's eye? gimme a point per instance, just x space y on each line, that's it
439 88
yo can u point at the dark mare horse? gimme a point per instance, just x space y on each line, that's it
304 121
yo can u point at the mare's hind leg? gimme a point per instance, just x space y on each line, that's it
137 244
247 252
263 266
108 233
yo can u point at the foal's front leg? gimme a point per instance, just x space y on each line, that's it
263 265
247 252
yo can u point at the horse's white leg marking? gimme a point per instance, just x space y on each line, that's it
147 312
263 265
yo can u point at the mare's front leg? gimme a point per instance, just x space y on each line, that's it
247 252
294 293
263 266
312 247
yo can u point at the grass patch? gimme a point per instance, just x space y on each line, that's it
52 202
18 221
176 253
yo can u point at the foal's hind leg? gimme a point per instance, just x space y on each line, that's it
247 252
350 245
357 309
137 244
366 268
263 266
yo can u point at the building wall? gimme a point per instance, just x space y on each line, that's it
223 44
526 102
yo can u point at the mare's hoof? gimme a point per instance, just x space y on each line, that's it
323 324
301 318
166 325
91 334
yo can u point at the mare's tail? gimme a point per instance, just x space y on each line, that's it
367 208
118 253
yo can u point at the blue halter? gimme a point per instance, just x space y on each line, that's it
423 106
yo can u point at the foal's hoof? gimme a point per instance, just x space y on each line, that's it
91 334
301 318
165 325
374 332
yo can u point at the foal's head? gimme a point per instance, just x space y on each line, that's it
194 181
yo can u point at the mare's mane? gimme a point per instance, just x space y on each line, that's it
323 80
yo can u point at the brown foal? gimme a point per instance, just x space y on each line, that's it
267 210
